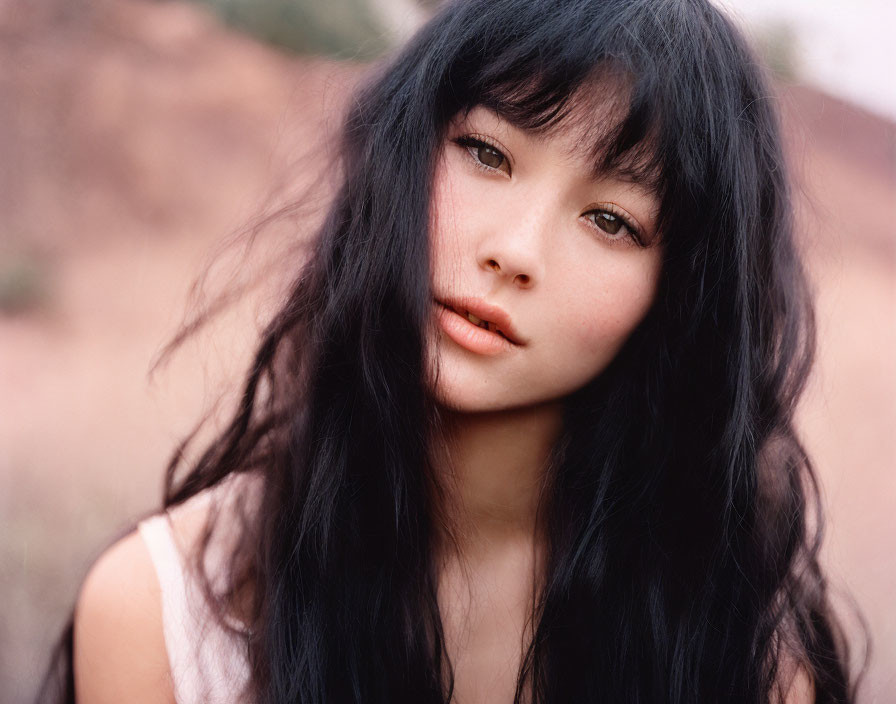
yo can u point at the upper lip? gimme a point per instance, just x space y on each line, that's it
485 311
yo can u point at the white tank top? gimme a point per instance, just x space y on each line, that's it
208 663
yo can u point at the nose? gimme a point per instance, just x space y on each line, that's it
515 251
520 278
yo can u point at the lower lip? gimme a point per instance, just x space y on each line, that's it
469 336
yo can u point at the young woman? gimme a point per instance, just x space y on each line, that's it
523 429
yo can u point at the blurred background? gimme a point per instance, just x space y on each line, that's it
137 136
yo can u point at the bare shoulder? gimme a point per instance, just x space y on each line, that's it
119 643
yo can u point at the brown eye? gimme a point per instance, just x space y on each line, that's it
616 226
485 156
608 222
490 156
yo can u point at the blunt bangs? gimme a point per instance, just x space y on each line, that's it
587 72
649 84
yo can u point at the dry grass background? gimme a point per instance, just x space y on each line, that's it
135 136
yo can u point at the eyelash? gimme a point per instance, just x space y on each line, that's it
633 233
471 143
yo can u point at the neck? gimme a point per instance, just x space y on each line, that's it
494 469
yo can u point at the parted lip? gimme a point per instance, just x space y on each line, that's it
485 311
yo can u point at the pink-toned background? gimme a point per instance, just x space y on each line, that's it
136 136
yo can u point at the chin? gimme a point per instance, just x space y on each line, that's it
455 395
460 397
465 401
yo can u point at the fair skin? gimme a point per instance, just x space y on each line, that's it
521 225
519 222
119 645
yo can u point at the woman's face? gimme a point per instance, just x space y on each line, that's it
560 266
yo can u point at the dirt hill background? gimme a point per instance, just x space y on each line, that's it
136 136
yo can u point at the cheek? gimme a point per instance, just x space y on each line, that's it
611 301
444 215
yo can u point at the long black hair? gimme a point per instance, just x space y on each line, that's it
683 511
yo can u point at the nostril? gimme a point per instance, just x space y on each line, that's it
492 264
522 278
